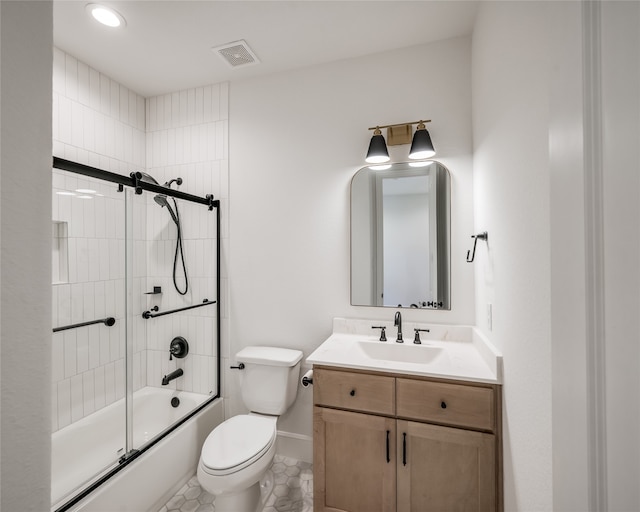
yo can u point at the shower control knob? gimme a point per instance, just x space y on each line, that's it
178 348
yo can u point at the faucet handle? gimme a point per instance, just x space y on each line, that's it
416 339
383 336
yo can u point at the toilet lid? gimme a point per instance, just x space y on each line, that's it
238 441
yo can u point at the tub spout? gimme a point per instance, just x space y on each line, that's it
173 375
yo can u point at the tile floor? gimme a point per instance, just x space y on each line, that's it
287 487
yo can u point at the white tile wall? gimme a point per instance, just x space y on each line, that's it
99 122
187 138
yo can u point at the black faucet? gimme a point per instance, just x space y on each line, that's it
398 322
173 375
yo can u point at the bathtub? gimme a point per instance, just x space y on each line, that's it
88 448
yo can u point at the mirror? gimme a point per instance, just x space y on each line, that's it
400 236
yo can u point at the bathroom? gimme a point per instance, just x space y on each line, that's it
508 121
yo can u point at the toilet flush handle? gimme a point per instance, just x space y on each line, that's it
239 367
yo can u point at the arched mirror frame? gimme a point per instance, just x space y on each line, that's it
401 237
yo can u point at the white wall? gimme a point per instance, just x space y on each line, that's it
25 268
511 196
296 139
620 53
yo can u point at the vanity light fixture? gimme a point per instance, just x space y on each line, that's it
378 153
399 134
106 15
421 147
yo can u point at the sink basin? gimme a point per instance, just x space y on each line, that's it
401 353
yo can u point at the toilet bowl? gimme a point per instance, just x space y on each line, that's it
235 456
239 451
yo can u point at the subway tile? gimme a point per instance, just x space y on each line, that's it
140 103
84 86
120 379
165 120
123 103
114 99
110 383
81 263
152 110
224 100
82 350
77 310
183 108
132 106
77 409
64 119
88 128
110 136
57 356
88 393
160 104
94 90
71 77
55 116
118 131
70 353
105 346
191 107
99 389
64 403
93 334
114 343
93 254
59 71
105 94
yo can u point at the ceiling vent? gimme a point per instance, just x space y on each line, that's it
237 54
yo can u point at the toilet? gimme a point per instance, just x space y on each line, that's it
239 451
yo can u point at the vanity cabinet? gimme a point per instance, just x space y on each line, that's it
387 442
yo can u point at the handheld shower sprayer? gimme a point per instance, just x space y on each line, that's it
161 199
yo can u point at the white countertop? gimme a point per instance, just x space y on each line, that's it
450 352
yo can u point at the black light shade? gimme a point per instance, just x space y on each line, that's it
421 147
377 153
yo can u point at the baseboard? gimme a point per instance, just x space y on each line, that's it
295 446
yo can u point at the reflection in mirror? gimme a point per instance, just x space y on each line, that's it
400 237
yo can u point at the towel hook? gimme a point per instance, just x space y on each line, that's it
480 236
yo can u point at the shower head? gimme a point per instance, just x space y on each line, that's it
161 199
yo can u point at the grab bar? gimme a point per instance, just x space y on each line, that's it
109 321
148 314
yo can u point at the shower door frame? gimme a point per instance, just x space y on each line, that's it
134 181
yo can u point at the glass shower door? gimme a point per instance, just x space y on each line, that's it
89 338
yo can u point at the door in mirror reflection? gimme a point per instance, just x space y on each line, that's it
400 237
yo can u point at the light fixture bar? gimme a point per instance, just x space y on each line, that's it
399 124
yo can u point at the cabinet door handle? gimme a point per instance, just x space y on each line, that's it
404 448
388 453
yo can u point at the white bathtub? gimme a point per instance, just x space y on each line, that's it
90 446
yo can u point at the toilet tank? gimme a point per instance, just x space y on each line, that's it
269 381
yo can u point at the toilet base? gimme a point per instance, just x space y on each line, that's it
247 500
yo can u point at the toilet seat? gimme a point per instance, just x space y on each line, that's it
237 443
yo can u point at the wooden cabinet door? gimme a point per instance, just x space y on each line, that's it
443 469
354 462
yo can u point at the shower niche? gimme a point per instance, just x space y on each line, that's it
113 242
59 252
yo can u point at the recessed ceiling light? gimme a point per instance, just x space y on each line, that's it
106 15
